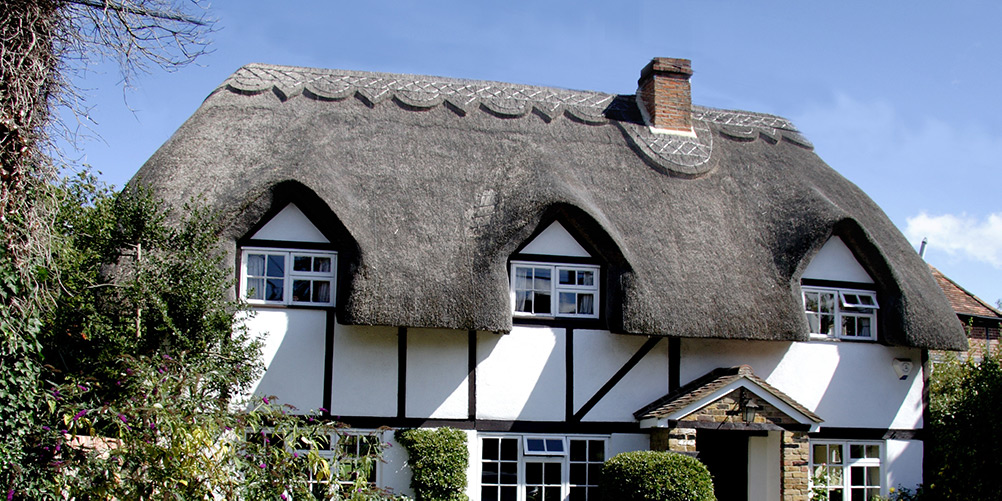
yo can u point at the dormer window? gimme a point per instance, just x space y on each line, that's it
288 261
839 295
555 290
841 313
554 276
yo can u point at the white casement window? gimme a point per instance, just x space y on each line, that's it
841 313
286 276
554 290
358 450
540 468
847 470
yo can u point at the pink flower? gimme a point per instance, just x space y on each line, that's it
262 466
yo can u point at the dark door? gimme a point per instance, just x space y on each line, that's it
725 454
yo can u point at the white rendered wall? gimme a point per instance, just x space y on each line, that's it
848 384
290 224
628 442
365 371
521 376
835 262
293 355
555 241
904 463
763 466
437 369
394 473
598 355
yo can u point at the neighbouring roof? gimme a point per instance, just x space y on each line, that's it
433 183
699 391
962 301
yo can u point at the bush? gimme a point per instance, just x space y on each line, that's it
438 460
656 476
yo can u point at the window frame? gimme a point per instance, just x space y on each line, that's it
842 309
563 458
556 288
328 454
289 276
847 465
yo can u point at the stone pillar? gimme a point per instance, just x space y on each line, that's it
673 439
796 466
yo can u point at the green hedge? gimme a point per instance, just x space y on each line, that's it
438 459
656 476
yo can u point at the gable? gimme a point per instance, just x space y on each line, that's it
555 241
836 262
290 224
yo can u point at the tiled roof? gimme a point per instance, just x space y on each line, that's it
702 387
962 301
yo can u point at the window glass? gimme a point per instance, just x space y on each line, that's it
288 277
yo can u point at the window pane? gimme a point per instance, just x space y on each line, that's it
554 445
873 451
579 474
522 276
542 303
863 327
849 327
857 475
820 453
873 476
255 265
533 493
835 452
509 493
534 473
322 264
542 279
509 449
489 474
489 449
489 493
551 473
534 445
300 290
255 288
321 291
586 304
827 326
855 451
276 265
811 301
551 493
301 263
274 290
567 277
827 302
586 278
578 448
578 494
568 303
594 471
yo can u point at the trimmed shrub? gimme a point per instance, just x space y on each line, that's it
438 460
656 476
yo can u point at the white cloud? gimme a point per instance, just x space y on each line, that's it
963 235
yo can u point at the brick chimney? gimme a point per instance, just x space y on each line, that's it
664 96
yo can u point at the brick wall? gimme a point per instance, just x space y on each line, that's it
796 466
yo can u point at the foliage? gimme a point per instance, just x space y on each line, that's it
164 291
176 439
964 441
438 459
655 476
903 494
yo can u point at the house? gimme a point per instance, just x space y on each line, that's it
567 275
981 320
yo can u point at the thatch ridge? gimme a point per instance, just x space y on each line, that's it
437 192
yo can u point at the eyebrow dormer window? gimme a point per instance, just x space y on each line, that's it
555 290
288 277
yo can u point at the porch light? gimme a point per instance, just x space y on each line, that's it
751 406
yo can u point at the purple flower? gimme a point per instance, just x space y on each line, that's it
262 466
265 400
123 418
79 414
153 425
283 497
323 410
295 455
82 387
10 495
128 372
46 428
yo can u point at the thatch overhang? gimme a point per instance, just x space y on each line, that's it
434 182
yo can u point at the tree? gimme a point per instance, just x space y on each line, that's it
965 442
42 44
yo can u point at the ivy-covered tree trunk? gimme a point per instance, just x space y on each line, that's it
27 77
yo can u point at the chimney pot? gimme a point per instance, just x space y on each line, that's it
664 94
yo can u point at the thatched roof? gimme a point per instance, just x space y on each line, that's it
429 184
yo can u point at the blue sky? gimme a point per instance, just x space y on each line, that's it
901 98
